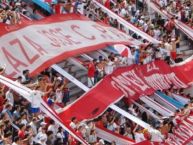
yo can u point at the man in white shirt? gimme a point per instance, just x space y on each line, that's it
9 97
156 135
33 125
73 123
52 127
123 12
41 137
139 137
36 97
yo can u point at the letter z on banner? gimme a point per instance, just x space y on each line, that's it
35 45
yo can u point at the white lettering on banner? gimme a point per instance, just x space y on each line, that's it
50 40
157 81
129 83
58 39
176 81
135 80
161 82
26 55
151 67
121 84
152 83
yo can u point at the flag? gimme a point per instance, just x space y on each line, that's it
122 50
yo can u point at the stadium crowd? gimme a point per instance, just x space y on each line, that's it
10 11
21 125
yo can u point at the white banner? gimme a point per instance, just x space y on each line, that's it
37 45
157 107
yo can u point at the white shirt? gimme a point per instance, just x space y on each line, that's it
36 99
123 12
9 97
41 137
109 67
73 125
34 127
60 135
59 96
24 121
148 59
52 128
157 34
168 47
139 137
111 126
156 136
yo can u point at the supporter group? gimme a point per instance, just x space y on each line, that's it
20 124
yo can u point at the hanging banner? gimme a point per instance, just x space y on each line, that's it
132 82
35 45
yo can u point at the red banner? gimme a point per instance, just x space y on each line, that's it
131 82
183 133
35 45
184 70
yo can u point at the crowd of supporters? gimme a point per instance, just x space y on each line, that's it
10 11
20 125
181 10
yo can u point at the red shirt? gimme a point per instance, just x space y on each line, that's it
170 25
21 134
91 70
57 9
1 103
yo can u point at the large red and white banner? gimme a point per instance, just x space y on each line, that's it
131 82
35 45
